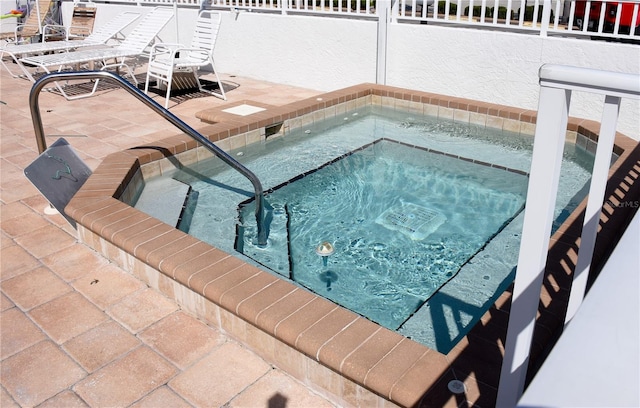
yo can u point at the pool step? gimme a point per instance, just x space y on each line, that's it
278 256
164 199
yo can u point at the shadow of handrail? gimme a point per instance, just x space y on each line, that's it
34 106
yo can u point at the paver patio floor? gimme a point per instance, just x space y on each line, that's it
78 331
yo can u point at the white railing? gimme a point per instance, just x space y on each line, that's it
605 19
556 86
318 7
490 13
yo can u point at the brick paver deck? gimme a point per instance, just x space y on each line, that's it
76 330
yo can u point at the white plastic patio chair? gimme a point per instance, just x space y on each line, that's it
166 59
81 24
134 45
99 36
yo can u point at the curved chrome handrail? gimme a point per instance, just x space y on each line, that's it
88 75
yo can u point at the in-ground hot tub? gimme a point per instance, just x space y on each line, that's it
329 347
422 215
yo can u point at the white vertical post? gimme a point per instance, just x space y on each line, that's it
470 16
553 113
567 16
383 8
556 85
594 203
546 17
522 12
39 20
175 19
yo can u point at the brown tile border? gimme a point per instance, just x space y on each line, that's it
350 357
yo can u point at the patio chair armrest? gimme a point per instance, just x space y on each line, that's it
80 31
164 49
21 26
54 30
189 49
18 31
194 51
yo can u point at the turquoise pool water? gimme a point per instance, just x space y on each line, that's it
447 228
401 220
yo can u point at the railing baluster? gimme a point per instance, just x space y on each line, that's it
483 11
603 13
595 199
616 26
556 86
634 20
556 19
572 13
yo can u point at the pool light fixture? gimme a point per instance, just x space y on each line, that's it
325 250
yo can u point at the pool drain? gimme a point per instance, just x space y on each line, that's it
413 220
456 387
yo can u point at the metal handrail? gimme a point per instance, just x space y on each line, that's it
97 75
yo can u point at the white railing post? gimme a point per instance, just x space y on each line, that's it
594 204
546 17
556 84
383 8
553 114
483 11
175 20
39 20
395 10
634 19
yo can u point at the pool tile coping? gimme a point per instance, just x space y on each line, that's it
369 361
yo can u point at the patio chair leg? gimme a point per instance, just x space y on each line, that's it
221 94
169 84
26 73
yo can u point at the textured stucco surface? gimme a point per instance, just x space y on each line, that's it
503 68
326 54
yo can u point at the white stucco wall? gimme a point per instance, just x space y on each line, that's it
317 53
331 53
503 67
